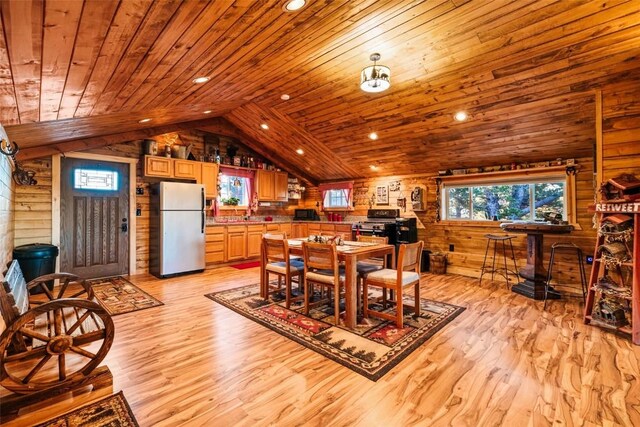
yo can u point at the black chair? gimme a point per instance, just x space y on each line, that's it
504 272
562 246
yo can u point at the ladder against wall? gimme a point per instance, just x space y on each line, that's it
613 299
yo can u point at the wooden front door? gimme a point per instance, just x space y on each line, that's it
94 218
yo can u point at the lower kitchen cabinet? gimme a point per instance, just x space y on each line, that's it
254 240
236 243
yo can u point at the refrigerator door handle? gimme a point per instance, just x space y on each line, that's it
202 226
202 194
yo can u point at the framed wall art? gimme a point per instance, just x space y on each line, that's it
382 195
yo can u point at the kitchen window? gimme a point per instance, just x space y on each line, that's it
336 195
508 197
234 191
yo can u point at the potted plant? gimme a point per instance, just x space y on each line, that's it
231 201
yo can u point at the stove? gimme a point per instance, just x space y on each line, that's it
380 222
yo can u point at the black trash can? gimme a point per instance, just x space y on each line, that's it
36 259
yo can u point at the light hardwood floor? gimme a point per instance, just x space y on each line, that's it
504 361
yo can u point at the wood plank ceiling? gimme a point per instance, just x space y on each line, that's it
75 73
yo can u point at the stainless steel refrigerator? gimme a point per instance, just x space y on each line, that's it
177 228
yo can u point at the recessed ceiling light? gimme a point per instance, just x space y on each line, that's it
373 136
285 97
206 112
460 116
264 126
144 120
202 79
300 151
294 5
373 167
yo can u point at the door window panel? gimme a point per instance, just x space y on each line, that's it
93 179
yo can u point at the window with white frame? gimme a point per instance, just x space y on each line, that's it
234 189
336 199
528 200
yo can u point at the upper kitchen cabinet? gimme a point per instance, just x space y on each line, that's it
210 179
186 169
272 186
158 166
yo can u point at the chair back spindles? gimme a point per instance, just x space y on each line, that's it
276 250
409 256
321 256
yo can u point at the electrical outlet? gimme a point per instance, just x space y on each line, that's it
139 191
451 247
589 259
138 212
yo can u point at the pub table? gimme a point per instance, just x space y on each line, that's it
534 273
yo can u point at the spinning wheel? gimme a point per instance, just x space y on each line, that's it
55 333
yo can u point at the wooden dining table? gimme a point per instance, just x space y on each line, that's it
350 253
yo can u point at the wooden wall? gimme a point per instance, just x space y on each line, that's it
7 191
621 129
33 203
468 240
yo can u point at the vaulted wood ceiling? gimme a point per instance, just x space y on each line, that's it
74 74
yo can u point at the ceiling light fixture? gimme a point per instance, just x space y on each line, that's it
460 116
285 97
373 167
375 78
206 112
300 151
202 79
294 5
264 126
144 120
373 136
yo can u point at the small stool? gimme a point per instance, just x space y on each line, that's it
504 272
583 277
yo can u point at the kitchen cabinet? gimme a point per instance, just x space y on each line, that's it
313 229
209 178
215 245
299 230
272 186
281 183
286 228
236 242
344 229
187 169
254 240
158 166
265 185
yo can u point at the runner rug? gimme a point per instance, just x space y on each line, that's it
370 350
118 295
110 411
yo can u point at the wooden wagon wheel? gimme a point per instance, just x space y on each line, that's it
59 343
71 286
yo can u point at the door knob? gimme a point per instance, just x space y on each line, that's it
124 227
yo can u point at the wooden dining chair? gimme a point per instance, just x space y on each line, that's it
368 266
276 260
407 274
321 268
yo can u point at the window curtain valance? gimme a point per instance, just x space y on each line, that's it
345 186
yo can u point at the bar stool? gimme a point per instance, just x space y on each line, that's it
504 272
563 246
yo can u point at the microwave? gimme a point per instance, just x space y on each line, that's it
306 215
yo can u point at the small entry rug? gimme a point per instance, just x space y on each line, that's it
118 295
109 412
245 265
370 350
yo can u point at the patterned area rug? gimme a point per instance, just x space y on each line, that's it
118 295
371 350
245 265
109 412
